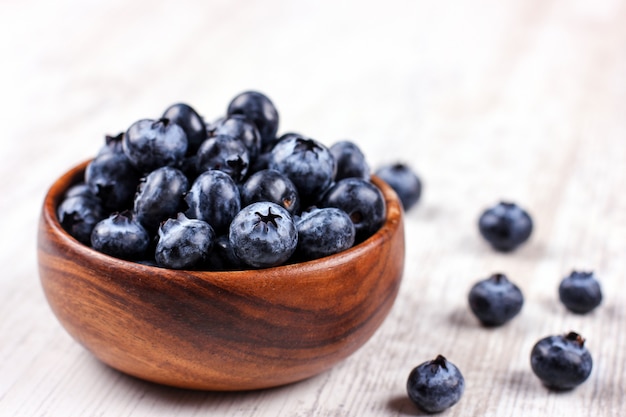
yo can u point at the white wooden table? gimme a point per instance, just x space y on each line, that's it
522 100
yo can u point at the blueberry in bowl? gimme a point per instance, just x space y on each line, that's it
214 329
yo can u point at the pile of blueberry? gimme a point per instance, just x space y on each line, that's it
181 193
561 362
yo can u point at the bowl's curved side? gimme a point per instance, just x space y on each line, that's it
220 330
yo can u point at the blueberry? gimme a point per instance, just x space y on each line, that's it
112 144
120 235
350 161
224 153
242 129
192 124
435 385
323 232
404 182
495 300
307 163
151 144
260 110
113 179
222 257
561 362
287 135
79 214
214 198
580 292
189 167
81 189
160 196
263 235
362 201
261 162
271 185
505 226
183 243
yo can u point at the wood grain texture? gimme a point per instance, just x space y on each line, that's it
522 100
232 330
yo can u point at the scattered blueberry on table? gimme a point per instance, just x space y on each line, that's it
495 300
435 385
561 362
505 226
580 292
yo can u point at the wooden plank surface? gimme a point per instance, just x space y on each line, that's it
487 100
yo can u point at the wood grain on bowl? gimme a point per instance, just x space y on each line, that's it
235 330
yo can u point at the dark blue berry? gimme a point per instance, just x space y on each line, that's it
214 198
323 232
260 110
288 135
580 292
271 185
112 144
435 385
362 201
263 159
113 179
350 161
307 163
151 144
160 196
183 243
561 362
505 226
404 182
263 235
81 189
222 257
495 300
192 124
120 235
224 153
261 162
242 129
79 214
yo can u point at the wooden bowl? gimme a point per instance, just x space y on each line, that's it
235 330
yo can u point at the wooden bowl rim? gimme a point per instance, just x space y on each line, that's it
394 213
